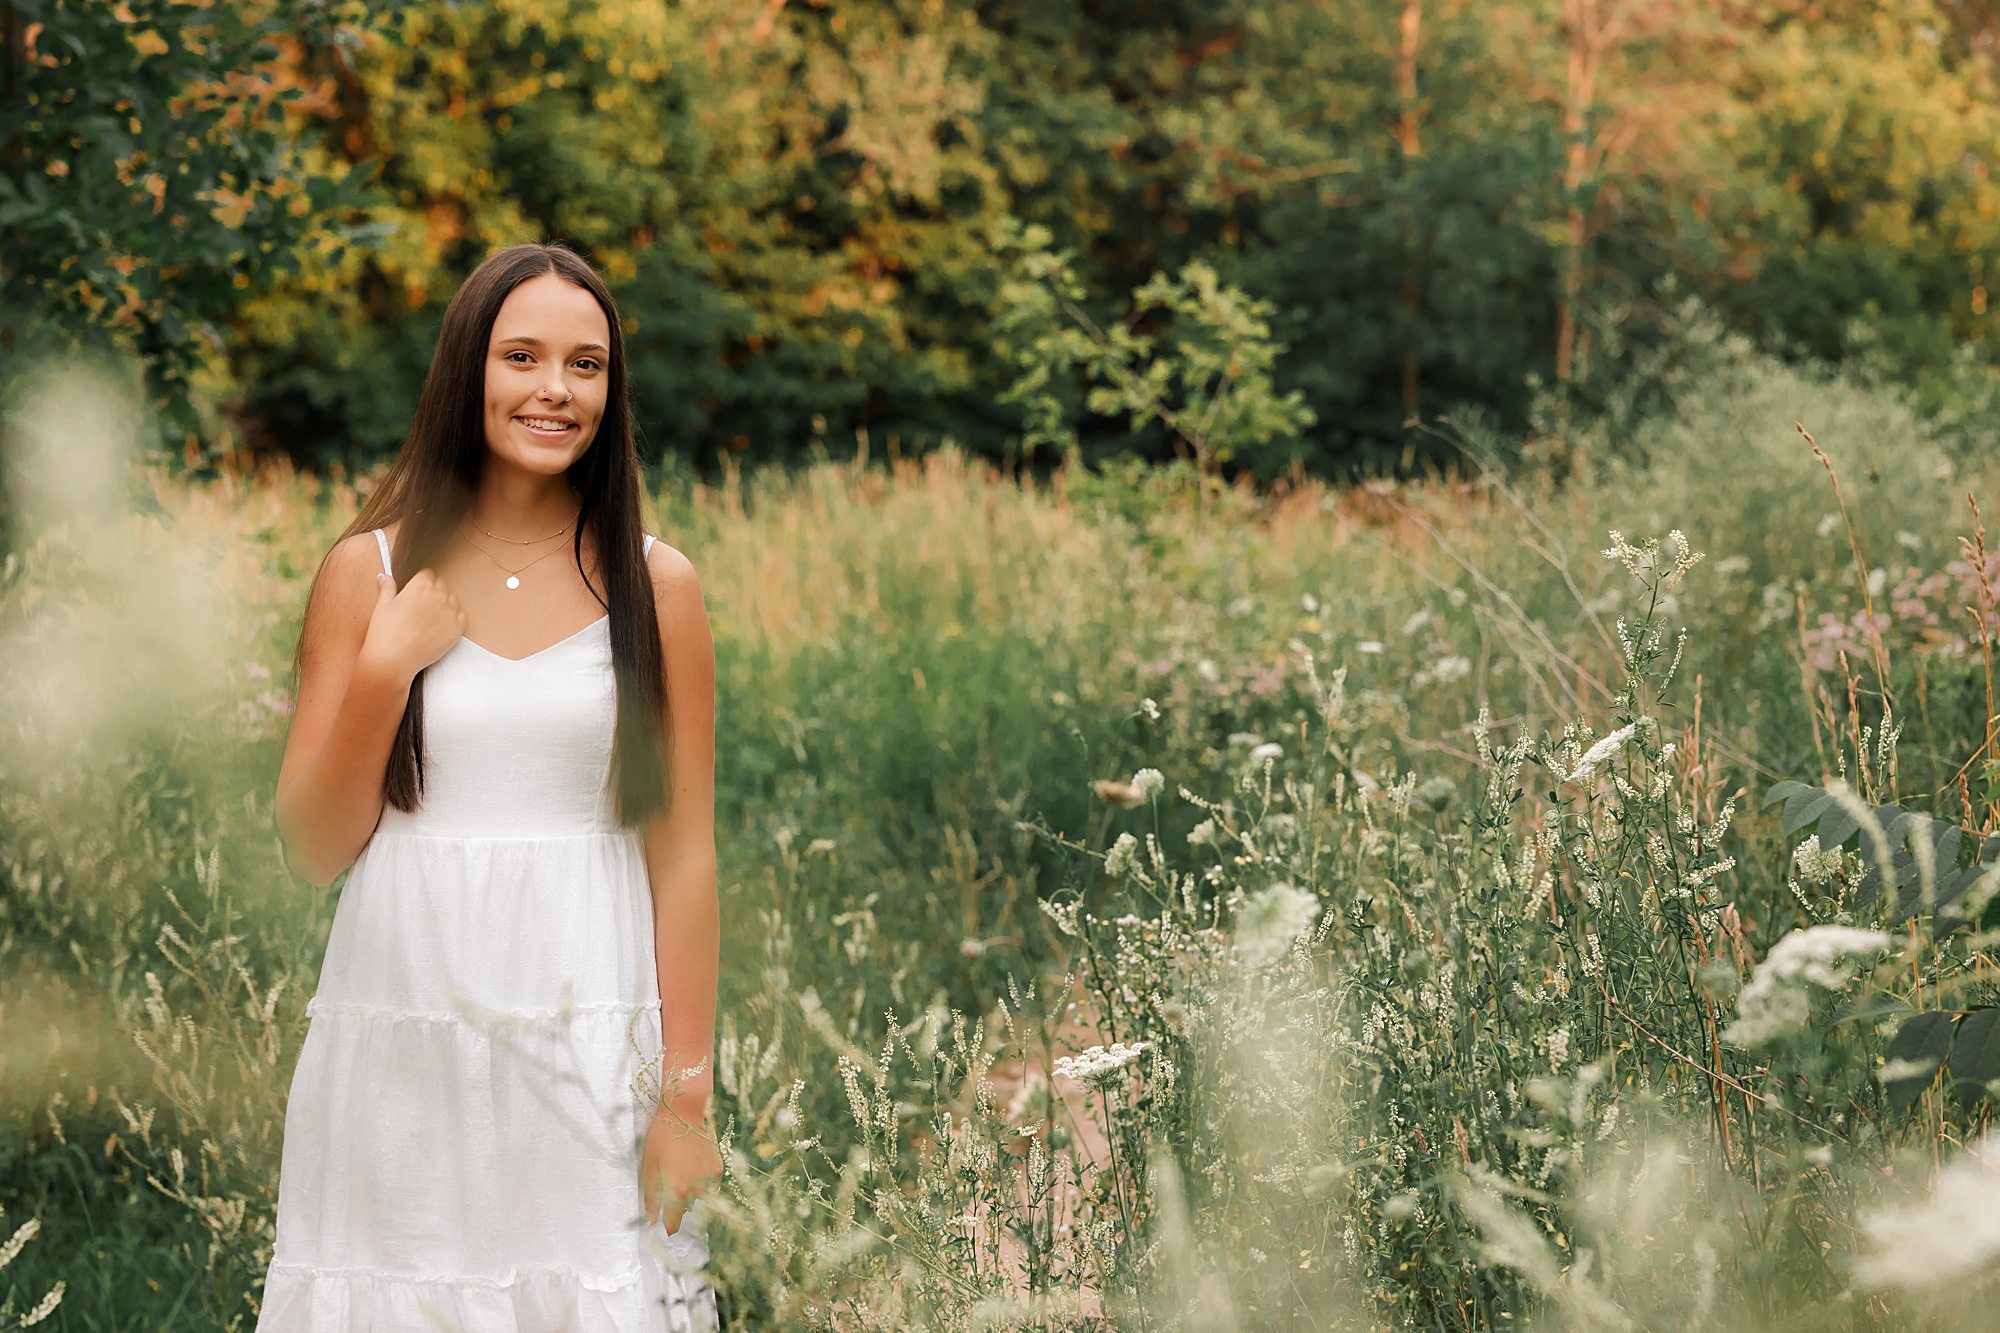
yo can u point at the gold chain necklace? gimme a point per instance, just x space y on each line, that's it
533 541
513 575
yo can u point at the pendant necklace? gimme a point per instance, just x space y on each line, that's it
533 541
513 575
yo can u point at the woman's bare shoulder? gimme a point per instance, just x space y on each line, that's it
672 571
346 583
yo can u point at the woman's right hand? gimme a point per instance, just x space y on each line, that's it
409 630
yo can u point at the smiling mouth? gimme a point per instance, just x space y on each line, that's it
547 425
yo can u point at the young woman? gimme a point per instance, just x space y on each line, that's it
505 723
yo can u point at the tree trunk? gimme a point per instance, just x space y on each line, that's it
1406 135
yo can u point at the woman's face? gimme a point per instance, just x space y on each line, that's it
547 373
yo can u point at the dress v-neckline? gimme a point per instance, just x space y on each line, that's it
539 652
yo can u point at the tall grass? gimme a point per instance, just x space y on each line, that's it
1280 791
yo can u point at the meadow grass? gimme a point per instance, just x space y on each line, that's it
1425 1020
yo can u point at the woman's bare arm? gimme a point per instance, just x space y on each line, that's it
364 644
680 860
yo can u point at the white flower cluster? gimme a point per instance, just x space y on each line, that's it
1148 782
1601 753
1268 922
1777 1003
1816 866
1098 1063
1119 860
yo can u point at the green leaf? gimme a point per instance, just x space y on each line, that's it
1805 807
1924 1041
1784 791
1902 871
1837 825
1975 1055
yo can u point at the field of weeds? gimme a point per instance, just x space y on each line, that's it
1148 904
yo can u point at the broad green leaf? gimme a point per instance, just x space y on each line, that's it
1784 791
1805 807
1923 1042
1975 1055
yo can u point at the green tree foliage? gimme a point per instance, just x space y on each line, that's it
149 179
803 207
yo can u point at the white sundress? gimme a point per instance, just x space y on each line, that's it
461 1140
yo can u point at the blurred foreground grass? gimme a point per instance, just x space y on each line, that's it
926 675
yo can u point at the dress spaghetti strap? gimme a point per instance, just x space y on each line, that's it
382 544
646 551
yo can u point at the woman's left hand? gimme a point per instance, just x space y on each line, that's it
676 1165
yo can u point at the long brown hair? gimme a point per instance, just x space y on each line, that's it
429 489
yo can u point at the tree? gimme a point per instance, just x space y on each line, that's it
148 179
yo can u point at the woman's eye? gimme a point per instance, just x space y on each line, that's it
587 364
519 358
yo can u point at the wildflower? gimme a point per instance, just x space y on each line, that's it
1827 523
1601 752
1450 669
1777 1003
1202 833
1416 622
1955 1233
1241 607
1369 646
1098 1065
1207 670
1118 861
46 1307
1559 1046
1268 922
1309 602
1911 540
972 948
1816 866
1148 782
20 1239
1268 750
818 845
1150 709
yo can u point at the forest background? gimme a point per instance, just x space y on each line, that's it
811 213
1419 829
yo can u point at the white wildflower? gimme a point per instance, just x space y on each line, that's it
1911 540
1951 1235
820 845
1450 669
1268 922
1416 622
46 1307
1776 1002
1816 866
1559 1046
1098 1064
1600 753
1118 861
1148 782
1309 602
1827 523
1369 646
1878 580
1202 834
1268 750
1150 709
21 1238
1241 607
1732 564
1207 670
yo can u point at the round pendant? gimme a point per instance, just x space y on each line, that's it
513 582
